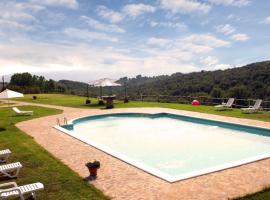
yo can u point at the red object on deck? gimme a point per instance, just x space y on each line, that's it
196 103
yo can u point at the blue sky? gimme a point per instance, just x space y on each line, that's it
90 39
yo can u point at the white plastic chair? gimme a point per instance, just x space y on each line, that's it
4 155
16 191
10 170
19 112
226 106
253 109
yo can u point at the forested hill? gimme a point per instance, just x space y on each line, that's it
251 81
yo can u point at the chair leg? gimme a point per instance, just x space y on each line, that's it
11 174
22 197
33 195
17 172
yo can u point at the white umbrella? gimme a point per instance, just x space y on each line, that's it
8 94
105 82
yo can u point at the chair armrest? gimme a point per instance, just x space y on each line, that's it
15 189
14 184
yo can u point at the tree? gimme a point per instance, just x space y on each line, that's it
239 92
217 92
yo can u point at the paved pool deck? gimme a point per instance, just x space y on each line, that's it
120 180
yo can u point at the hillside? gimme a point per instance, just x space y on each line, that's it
74 87
251 81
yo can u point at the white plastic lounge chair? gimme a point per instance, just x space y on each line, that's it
15 191
10 170
19 112
253 109
4 155
225 106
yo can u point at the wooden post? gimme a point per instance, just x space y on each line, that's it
3 84
87 92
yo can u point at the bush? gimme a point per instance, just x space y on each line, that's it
91 165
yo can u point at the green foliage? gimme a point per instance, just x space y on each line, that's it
27 83
239 92
216 92
74 87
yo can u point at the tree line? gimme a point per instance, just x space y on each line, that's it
251 81
28 83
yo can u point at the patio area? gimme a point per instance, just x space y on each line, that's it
120 180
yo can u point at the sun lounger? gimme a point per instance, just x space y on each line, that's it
253 109
4 155
10 170
19 112
225 106
12 190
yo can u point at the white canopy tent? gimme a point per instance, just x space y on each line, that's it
8 94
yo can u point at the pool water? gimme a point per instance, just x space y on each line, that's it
172 147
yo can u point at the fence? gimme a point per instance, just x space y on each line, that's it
238 103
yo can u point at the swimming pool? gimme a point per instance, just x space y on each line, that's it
172 147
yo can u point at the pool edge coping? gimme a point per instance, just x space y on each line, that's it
155 172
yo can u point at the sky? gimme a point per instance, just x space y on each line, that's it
86 40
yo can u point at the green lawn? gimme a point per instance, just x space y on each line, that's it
40 166
263 195
78 102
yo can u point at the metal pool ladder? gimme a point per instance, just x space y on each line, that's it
59 122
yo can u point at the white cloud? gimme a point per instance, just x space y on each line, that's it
209 61
226 29
100 26
109 14
88 62
14 25
186 49
168 24
238 3
18 15
206 40
241 37
73 4
233 17
185 6
135 10
266 20
158 41
83 34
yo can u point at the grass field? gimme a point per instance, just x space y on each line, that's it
79 102
60 182
263 195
